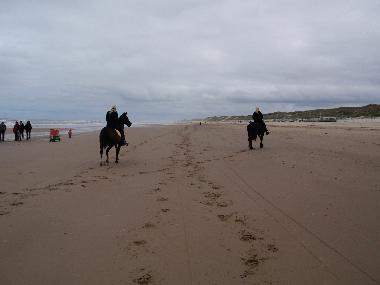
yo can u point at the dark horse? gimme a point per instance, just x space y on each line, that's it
255 130
109 137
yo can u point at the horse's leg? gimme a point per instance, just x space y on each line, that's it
101 154
107 150
117 152
261 141
250 144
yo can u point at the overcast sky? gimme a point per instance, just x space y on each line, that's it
173 59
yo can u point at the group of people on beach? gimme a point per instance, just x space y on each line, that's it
18 129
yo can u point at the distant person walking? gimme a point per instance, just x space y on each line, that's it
258 118
28 129
16 131
22 129
3 128
70 133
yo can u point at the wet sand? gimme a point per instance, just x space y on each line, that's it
191 204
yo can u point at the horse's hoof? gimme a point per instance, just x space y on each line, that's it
101 164
261 145
116 161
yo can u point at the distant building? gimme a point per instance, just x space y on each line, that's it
327 119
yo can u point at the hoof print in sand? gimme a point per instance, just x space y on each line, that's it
272 248
223 204
165 210
241 219
162 199
252 261
139 242
224 218
144 279
148 225
247 236
17 203
212 199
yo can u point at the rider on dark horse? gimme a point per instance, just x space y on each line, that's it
112 122
258 118
256 128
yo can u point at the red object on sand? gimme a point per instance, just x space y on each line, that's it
54 135
54 132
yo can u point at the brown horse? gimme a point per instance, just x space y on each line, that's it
109 137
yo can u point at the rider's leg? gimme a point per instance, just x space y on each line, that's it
123 142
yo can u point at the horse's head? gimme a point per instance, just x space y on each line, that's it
125 120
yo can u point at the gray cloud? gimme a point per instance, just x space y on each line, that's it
166 59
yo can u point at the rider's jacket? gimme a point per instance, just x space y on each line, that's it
111 119
258 117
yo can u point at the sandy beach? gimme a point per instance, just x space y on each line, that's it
190 204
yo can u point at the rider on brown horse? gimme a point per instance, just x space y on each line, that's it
112 122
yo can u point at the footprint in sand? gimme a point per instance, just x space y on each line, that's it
241 219
247 236
165 210
162 199
272 247
144 279
251 261
3 213
139 242
17 203
212 195
148 225
225 218
223 204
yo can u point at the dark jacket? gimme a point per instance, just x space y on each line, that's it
258 117
111 119
21 127
16 128
3 127
28 126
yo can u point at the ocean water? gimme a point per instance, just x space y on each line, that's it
41 127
